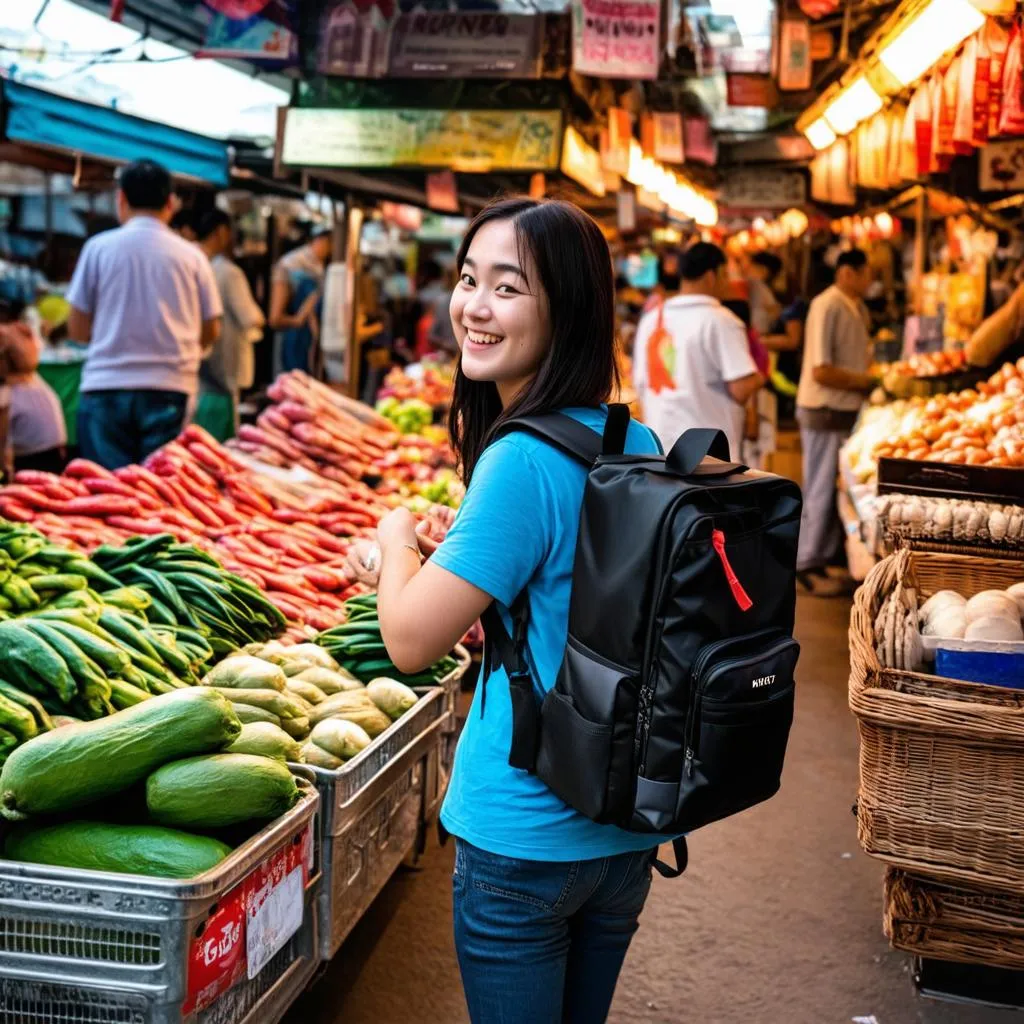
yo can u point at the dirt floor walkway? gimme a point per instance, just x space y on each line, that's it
777 920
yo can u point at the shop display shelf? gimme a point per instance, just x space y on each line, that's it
102 947
1000 484
373 812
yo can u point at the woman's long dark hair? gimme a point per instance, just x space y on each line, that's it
579 369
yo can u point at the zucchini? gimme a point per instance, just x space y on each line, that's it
69 768
124 695
30 661
86 673
279 704
26 700
111 658
248 714
219 790
130 849
17 719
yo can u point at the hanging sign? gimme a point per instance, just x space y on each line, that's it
751 91
581 162
661 136
538 185
615 140
458 140
794 54
253 38
699 143
466 44
625 210
764 188
823 44
1001 166
353 42
442 192
616 38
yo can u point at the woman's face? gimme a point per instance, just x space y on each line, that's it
500 312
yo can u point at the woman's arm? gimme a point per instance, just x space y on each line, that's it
424 610
280 295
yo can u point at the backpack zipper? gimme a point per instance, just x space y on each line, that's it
741 596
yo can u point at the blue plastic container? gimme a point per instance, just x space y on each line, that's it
999 663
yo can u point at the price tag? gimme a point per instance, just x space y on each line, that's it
273 920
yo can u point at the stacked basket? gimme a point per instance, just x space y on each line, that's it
941 778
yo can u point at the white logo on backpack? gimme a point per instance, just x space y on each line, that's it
763 681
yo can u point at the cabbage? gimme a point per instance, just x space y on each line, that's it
242 671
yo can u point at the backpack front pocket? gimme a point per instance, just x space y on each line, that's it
738 726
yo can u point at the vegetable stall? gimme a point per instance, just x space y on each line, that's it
937 669
200 730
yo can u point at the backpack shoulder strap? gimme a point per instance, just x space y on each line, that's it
571 437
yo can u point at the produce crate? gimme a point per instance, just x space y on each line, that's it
373 810
941 771
89 947
931 919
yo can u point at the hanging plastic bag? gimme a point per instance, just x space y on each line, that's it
1011 116
942 126
993 42
963 118
921 110
895 116
907 158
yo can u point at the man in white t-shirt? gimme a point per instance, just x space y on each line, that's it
691 361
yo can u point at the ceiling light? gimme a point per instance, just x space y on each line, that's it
855 103
819 134
942 25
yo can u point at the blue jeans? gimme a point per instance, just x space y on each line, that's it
118 428
542 942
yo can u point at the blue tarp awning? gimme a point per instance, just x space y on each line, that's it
35 117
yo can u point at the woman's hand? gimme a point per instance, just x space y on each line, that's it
398 527
433 530
362 563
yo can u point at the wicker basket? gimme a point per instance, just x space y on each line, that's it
941 761
930 919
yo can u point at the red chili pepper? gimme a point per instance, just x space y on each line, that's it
58 492
86 468
320 578
293 515
35 478
101 505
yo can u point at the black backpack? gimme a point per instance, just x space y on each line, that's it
674 701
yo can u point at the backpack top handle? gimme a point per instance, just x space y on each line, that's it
615 429
695 445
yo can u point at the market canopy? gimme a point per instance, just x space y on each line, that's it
36 118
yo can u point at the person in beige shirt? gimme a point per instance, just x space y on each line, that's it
833 383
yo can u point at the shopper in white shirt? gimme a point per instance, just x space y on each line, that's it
230 368
691 360
833 383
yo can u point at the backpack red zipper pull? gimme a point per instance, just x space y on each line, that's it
742 597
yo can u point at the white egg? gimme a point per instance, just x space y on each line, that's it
942 599
992 602
994 627
1017 593
948 622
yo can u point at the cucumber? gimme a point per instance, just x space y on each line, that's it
66 769
17 719
113 659
130 849
266 740
84 670
124 695
219 790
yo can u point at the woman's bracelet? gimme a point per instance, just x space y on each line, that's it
415 548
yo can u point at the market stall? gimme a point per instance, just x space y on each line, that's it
194 615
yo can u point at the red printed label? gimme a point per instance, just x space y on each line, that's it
218 958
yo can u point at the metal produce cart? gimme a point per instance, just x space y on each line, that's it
234 946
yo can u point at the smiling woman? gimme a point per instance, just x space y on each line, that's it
546 900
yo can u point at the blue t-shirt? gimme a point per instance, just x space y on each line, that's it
517 528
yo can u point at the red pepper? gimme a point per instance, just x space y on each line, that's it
86 468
